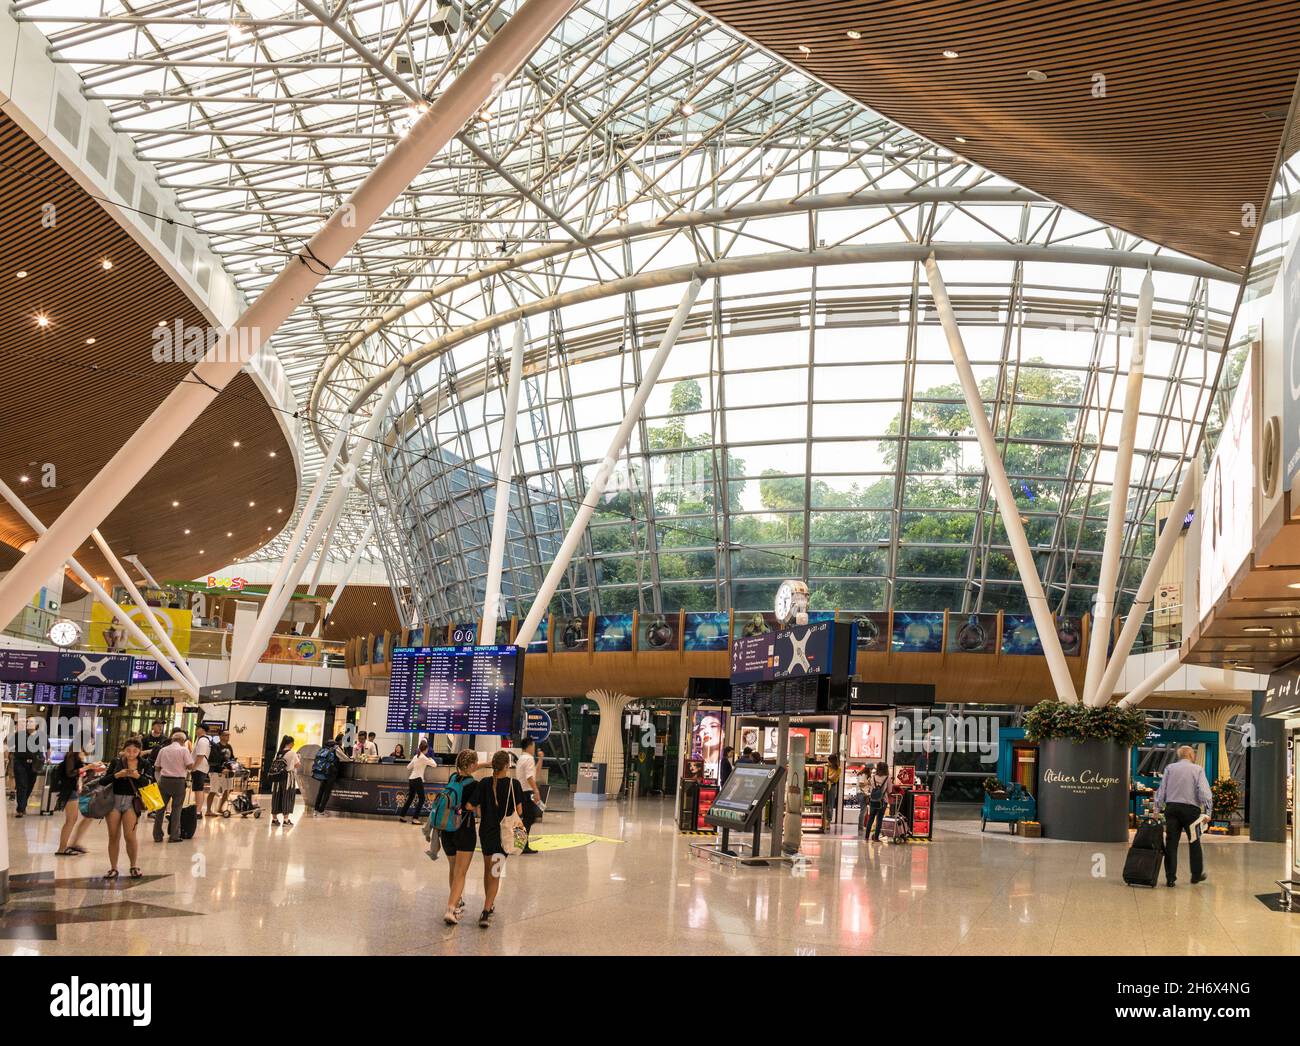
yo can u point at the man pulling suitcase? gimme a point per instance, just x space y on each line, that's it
1185 798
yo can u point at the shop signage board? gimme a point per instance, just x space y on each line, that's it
277 693
1083 790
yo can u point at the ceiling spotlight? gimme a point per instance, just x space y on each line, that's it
162 323
272 453
960 140
176 504
42 320
805 49
688 109
252 504
853 34
187 530
1234 232
1037 75
1265 629
279 511
229 534
235 443
106 264
23 479
90 341
200 552
950 53
21 274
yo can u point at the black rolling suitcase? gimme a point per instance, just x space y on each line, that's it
190 822
1145 856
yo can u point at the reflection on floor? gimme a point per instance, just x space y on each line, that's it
629 885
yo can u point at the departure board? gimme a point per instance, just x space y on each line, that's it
454 690
61 694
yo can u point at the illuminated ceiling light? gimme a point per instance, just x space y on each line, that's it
279 511
252 504
960 140
176 504
1265 629
805 49
853 34
24 479
200 552
21 274
1280 610
42 320
688 109
229 534
950 53
1234 232
90 341
272 453
187 530
1037 75
162 323
106 264
235 443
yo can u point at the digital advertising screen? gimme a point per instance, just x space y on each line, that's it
973 634
34 666
571 634
1020 635
1069 631
873 632
867 739
659 632
613 632
539 640
918 633
705 631
707 734
454 690
754 623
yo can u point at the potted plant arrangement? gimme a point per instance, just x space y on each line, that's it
1227 801
994 787
1084 768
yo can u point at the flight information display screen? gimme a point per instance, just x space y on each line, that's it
804 650
454 690
61 694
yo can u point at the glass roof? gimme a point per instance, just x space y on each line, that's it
808 423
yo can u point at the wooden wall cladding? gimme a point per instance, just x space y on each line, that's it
1184 136
72 404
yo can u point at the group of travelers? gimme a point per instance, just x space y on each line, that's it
173 762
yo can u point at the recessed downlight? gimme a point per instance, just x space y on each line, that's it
90 341
42 320
1037 75
1234 232
106 264
805 49
950 53
960 140
21 274
853 34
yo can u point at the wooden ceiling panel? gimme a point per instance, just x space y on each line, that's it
1184 136
69 404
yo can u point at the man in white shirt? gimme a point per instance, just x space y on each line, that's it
526 775
199 775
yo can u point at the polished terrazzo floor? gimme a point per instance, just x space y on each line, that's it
623 884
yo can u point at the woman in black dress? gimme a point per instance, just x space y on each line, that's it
496 797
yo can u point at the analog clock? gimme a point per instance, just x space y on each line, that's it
792 603
64 633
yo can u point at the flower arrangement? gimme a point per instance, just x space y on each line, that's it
1051 720
1227 798
992 785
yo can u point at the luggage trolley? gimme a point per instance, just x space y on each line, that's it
237 795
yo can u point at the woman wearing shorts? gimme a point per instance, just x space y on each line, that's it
496 797
459 845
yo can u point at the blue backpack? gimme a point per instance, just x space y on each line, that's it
448 813
325 766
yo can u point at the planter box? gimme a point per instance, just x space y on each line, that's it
1083 791
1031 829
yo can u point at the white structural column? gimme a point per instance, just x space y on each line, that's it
97 590
1007 506
606 468
501 507
348 571
608 748
487 73
144 573
1148 686
1104 604
275 603
1137 613
159 629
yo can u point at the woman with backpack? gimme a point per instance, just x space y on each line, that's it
453 814
875 795
500 800
283 775
71 771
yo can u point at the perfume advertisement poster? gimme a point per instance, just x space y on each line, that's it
972 633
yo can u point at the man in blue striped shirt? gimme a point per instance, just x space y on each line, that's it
1184 796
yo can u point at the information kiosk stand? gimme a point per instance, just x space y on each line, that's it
739 806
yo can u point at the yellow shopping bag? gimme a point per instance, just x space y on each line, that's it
152 798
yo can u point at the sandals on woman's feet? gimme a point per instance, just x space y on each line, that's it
111 874
136 873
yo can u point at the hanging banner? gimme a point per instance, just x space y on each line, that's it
107 635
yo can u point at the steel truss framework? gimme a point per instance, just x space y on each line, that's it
800 430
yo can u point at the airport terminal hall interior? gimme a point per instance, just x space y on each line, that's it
499 479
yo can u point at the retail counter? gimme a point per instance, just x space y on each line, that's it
380 788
